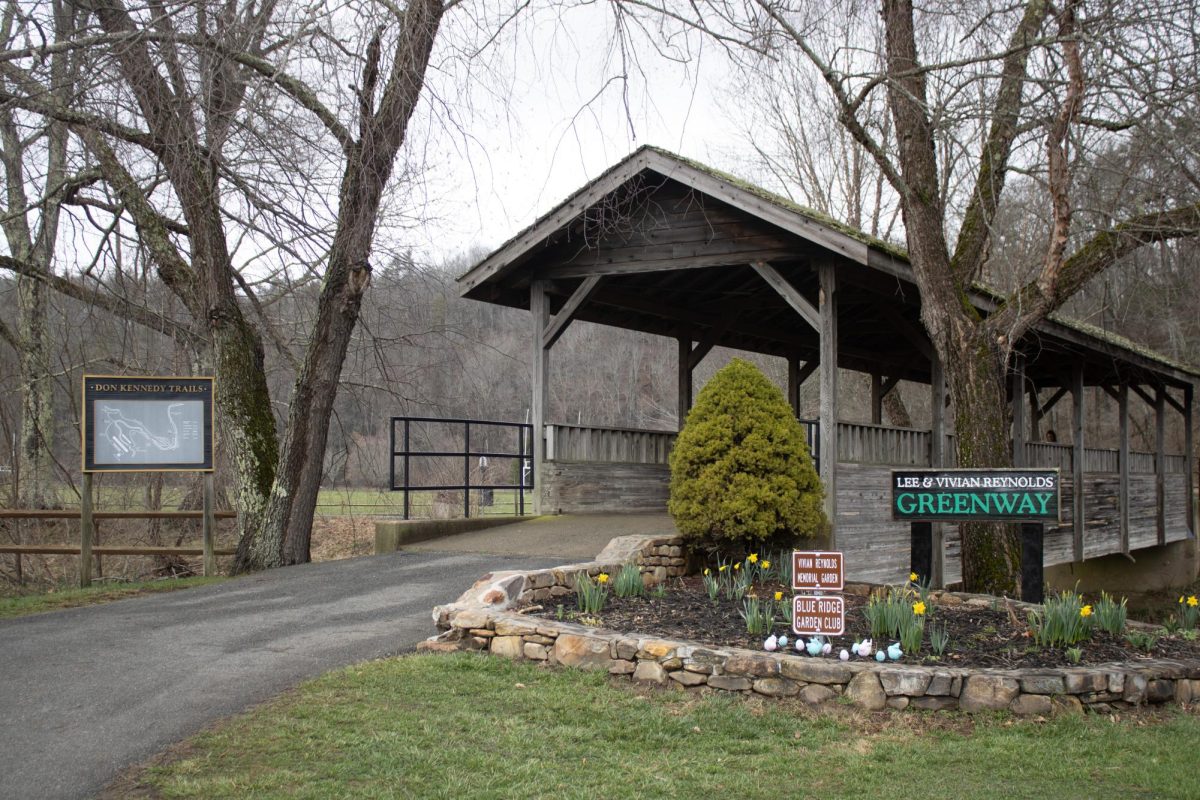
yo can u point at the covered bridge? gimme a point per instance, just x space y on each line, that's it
665 245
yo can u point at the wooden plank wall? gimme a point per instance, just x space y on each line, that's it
582 487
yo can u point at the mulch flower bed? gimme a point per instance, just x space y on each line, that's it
995 637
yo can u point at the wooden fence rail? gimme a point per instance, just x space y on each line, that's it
208 550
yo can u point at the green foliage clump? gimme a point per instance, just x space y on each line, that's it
741 470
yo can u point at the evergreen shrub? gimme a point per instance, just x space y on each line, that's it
741 473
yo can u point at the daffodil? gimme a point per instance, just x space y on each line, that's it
766 564
912 577
1192 601
707 571
722 568
752 558
919 608
1086 611
602 577
778 596
737 566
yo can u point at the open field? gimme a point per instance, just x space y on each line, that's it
471 726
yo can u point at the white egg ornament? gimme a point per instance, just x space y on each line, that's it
783 641
880 655
844 656
771 643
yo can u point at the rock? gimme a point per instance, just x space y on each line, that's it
1078 682
815 694
505 626
940 684
1028 705
1186 691
655 648
909 683
776 687
672 663
686 678
815 670
482 633
1160 691
1135 689
586 652
1042 684
627 648
866 691
470 618
650 672
622 667
508 646
929 703
438 646
898 703
474 643
1066 704
537 638
1099 708
988 693
1116 682
536 652
758 666
729 683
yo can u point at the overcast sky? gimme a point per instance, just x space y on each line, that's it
562 123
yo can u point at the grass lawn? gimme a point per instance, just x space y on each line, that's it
470 726
21 605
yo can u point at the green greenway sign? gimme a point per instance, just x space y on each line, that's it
976 495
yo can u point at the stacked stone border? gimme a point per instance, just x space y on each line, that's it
482 620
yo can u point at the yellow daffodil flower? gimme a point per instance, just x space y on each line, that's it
737 566
766 564
602 577
723 567
919 608
912 577
1086 611
778 596
1192 601
752 558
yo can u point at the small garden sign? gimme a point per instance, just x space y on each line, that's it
817 614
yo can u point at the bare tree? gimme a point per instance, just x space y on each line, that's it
214 126
993 90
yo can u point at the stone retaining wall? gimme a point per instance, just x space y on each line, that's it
480 620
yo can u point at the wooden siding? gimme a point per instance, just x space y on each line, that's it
582 487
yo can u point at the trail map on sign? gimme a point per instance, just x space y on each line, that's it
148 432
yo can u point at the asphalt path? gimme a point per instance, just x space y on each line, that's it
85 693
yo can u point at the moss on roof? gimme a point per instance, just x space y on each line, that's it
786 204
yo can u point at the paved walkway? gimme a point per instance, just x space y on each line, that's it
86 692
576 537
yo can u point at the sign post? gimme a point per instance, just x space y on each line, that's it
1031 497
136 424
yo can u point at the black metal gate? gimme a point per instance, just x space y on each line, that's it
402 433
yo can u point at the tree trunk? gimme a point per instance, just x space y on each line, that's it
976 369
37 393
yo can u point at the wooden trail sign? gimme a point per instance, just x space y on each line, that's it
976 495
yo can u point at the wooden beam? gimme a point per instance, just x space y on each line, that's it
1149 399
703 258
1044 408
937 459
714 335
1123 464
876 398
1017 393
1160 464
86 532
563 318
1078 509
1189 457
1173 403
827 305
789 293
539 306
1111 392
793 385
684 391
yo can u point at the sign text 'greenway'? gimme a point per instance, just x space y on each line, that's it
969 495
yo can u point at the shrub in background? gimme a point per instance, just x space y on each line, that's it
740 470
